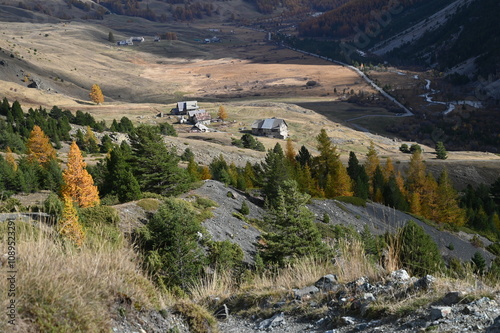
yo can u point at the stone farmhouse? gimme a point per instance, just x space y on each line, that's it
271 127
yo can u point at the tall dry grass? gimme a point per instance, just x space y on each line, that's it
61 288
352 262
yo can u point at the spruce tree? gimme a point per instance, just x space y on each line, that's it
294 233
4 107
304 157
419 253
119 178
276 172
441 152
155 166
170 243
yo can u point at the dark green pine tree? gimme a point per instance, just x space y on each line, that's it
304 157
119 179
294 233
419 253
170 243
114 126
219 169
106 144
8 179
4 107
50 176
441 152
393 196
17 112
276 172
353 166
358 175
378 183
155 166
478 263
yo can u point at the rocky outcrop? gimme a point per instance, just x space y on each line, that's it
400 303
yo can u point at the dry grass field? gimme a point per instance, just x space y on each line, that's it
252 78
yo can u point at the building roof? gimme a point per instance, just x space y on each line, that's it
193 113
269 123
187 105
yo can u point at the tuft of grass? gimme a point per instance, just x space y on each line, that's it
149 204
198 318
352 262
219 283
61 288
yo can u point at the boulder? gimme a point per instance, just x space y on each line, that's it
276 320
400 275
327 283
438 312
307 291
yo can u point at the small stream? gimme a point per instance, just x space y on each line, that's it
451 105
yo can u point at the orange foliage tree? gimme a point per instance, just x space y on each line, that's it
96 94
39 147
68 224
222 113
78 183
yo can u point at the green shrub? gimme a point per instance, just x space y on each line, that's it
225 255
198 318
53 205
202 202
244 208
110 200
11 205
494 248
476 241
99 215
478 263
353 201
149 205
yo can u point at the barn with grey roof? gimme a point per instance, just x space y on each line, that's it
271 127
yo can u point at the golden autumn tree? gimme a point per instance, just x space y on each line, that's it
95 94
222 113
10 159
78 183
40 149
372 160
205 173
68 225
448 210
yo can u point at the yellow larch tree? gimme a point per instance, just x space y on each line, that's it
205 173
39 147
95 94
372 160
290 152
10 159
222 113
68 225
78 183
